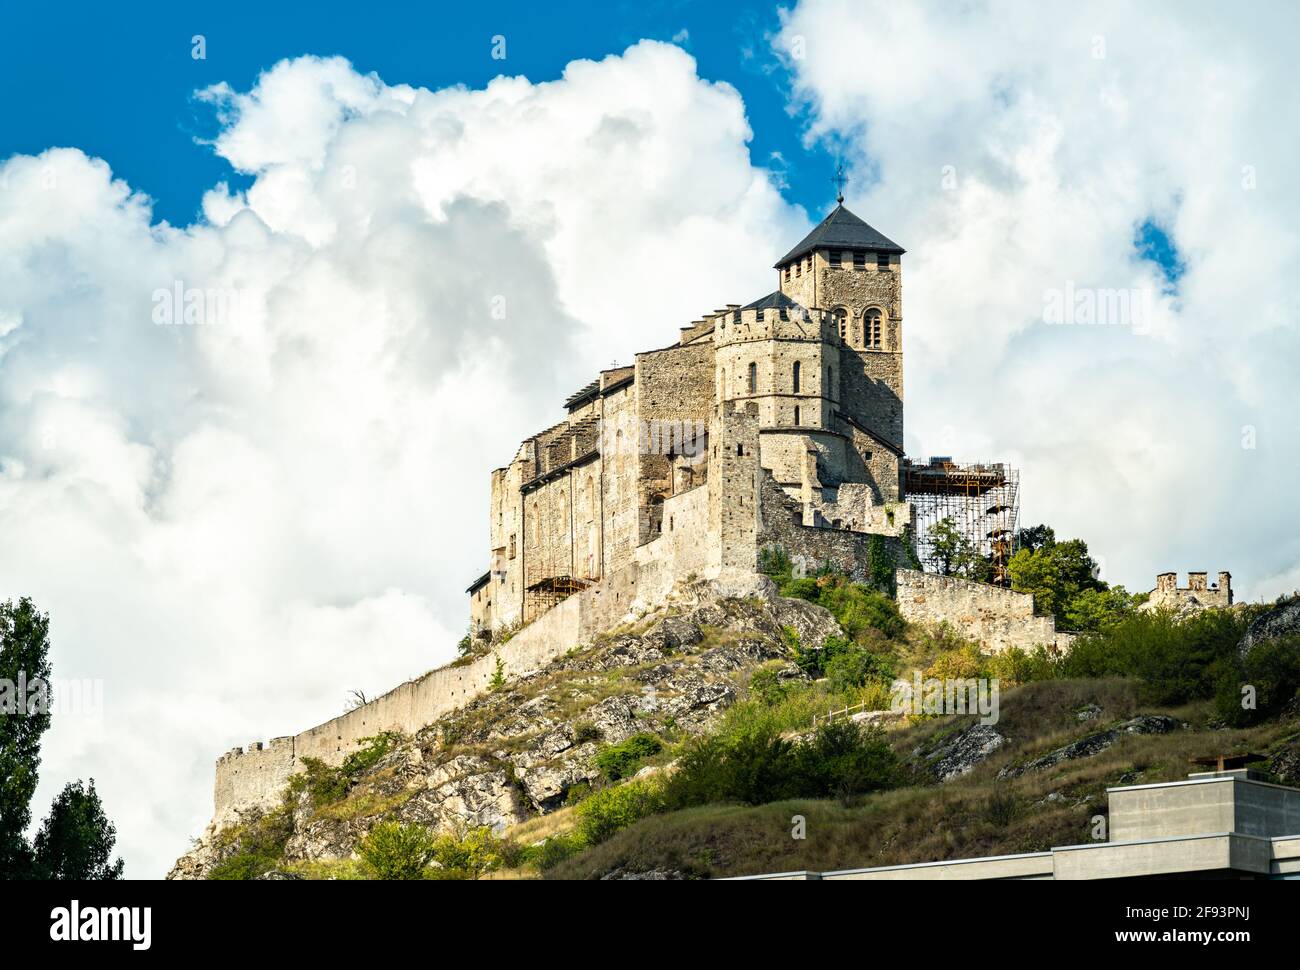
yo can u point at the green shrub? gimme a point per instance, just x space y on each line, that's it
613 809
759 765
325 784
844 758
766 686
1015 666
1272 668
1176 661
470 855
860 610
392 850
616 761
554 850
260 847
855 666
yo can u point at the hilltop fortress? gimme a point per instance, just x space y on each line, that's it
773 425
778 420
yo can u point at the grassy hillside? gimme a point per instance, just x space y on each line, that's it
683 746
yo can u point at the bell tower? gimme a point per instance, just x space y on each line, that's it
853 273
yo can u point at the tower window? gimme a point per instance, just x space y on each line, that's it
787 272
759 316
796 376
842 324
753 378
830 381
798 268
882 261
835 259
872 328
859 260
796 415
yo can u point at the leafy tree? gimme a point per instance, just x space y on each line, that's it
1054 573
1034 537
76 839
24 658
1098 609
957 555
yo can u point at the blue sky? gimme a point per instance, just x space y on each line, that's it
120 87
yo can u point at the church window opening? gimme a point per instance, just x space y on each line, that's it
796 376
842 324
753 378
872 326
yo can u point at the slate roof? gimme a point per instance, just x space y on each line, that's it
774 301
841 230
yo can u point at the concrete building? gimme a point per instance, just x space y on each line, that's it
1215 825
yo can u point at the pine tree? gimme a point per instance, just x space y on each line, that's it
76 839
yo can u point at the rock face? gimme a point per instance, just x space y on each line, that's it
1283 621
518 752
1095 743
959 754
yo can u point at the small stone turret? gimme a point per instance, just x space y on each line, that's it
1198 594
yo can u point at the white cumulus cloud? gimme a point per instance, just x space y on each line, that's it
244 463
1015 149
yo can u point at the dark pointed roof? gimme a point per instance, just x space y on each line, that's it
774 301
841 230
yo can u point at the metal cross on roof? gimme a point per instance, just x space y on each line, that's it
839 180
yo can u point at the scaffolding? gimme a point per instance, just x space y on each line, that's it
549 592
982 500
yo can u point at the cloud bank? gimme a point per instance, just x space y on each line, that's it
244 463
1016 149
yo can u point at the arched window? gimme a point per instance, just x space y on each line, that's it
872 328
753 378
796 379
842 324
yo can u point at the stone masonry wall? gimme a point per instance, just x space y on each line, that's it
999 619
255 776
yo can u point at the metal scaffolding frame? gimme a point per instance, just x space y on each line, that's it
981 499
549 592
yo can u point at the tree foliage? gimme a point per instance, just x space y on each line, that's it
76 839
24 659
1063 579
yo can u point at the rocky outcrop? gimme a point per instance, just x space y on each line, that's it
956 756
1282 621
518 752
1095 743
